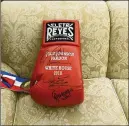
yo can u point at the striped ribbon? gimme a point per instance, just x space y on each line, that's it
13 82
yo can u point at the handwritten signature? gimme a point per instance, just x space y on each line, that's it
59 81
62 95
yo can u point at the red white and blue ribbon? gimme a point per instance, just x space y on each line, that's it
12 82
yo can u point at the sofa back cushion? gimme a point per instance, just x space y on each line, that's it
118 54
22 32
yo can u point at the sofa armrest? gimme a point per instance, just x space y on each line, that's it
8 101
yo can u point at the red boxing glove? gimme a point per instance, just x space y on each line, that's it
57 76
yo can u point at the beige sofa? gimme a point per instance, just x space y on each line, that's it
104 47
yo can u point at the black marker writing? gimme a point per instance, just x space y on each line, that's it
62 95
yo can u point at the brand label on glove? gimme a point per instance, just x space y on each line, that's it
60 31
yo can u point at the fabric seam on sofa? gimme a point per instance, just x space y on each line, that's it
119 101
109 39
118 97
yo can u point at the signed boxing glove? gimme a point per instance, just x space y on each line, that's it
57 76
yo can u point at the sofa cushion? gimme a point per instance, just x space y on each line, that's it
101 106
121 87
22 32
8 101
118 55
7 68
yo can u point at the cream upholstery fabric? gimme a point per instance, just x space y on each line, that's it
21 39
22 32
8 101
118 55
121 87
101 106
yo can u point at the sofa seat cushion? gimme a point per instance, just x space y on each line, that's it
8 101
121 87
101 106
